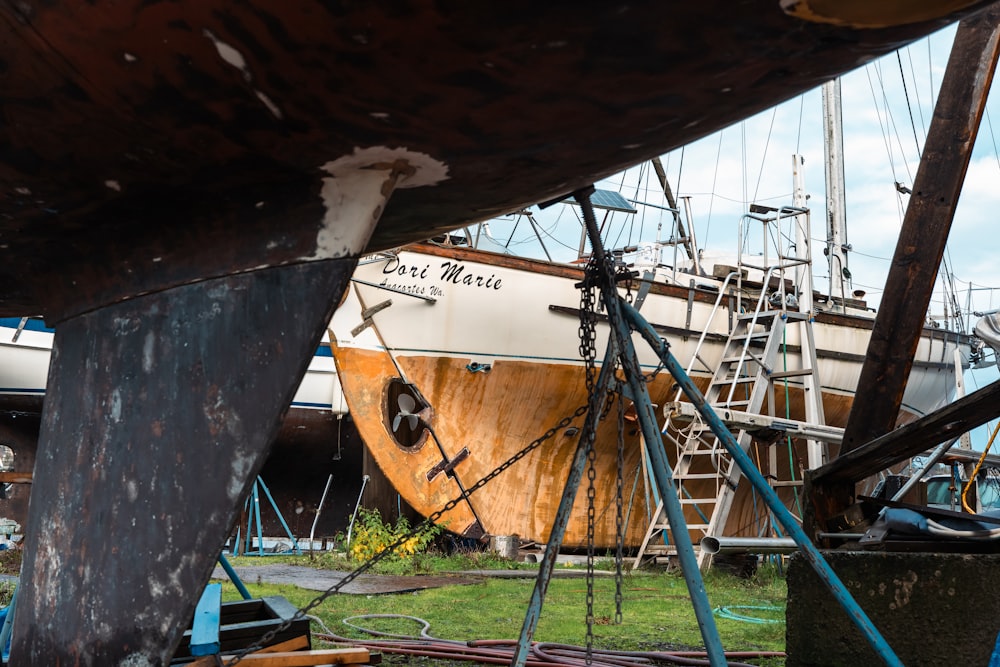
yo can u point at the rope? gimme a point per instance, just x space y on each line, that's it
975 471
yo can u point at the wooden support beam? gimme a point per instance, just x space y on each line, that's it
928 219
11 477
911 278
915 438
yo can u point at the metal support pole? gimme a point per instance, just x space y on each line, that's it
760 485
548 564
322 500
233 577
357 506
281 518
651 434
256 516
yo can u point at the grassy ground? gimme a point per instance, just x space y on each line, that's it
656 611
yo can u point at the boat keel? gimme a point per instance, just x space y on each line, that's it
160 412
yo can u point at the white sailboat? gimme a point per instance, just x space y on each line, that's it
484 348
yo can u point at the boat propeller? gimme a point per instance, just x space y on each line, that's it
406 405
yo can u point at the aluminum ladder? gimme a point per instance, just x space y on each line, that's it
744 379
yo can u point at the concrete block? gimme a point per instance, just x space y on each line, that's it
933 609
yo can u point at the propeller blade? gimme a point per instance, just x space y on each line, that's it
413 420
406 403
396 421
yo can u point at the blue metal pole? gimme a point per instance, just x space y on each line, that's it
548 564
256 515
654 443
742 459
233 577
8 625
284 525
248 540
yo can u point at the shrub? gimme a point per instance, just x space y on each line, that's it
372 535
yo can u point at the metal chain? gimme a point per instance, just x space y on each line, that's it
429 521
591 520
588 350
588 324
619 515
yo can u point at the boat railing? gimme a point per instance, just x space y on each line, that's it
761 301
695 357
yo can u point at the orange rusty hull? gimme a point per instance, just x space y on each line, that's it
523 499
487 346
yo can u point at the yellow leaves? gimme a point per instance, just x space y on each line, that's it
373 536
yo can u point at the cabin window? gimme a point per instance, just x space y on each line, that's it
405 412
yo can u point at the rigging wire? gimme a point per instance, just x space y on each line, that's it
891 121
798 136
882 128
909 107
916 94
763 158
711 199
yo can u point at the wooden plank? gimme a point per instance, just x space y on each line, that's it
205 627
332 656
926 225
914 269
11 477
296 644
915 438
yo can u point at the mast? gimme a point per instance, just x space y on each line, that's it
803 272
836 207
686 238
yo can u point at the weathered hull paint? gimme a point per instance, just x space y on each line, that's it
171 401
314 441
150 145
498 312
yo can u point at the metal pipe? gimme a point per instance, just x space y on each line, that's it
753 545
233 577
932 461
322 499
760 485
645 412
357 506
256 516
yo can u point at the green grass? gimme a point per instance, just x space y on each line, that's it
657 614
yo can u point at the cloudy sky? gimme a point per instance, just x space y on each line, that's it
887 108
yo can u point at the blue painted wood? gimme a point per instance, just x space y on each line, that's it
205 628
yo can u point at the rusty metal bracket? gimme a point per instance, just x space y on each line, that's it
448 467
366 316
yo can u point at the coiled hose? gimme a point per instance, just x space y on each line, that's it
501 651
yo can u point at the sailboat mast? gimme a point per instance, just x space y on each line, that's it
803 252
836 206
684 236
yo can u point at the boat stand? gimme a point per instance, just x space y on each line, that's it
252 511
624 319
620 349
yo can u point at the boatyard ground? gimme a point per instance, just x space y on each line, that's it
482 596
